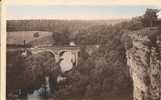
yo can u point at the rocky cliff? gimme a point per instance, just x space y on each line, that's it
144 61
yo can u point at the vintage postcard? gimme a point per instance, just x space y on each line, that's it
81 50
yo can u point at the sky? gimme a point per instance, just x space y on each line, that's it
77 11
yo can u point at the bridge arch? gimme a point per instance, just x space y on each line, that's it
56 55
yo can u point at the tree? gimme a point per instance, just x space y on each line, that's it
37 66
61 38
36 35
15 71
150 17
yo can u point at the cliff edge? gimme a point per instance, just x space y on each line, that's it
144 61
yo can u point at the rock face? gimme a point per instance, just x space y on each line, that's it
144 60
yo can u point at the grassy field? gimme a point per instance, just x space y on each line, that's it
29 36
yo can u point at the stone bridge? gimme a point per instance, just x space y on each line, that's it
57 51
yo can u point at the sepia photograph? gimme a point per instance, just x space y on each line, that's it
83 52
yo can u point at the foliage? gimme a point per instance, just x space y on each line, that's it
61 38
15 69
150 17
28 73
36 34
37 66
102 75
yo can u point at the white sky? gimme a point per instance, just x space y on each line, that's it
114 9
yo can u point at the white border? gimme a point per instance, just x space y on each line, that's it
3 52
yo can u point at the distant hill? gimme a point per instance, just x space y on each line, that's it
56 25
20 30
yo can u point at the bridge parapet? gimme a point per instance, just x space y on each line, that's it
56 51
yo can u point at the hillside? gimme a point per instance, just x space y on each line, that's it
63 30
56 25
